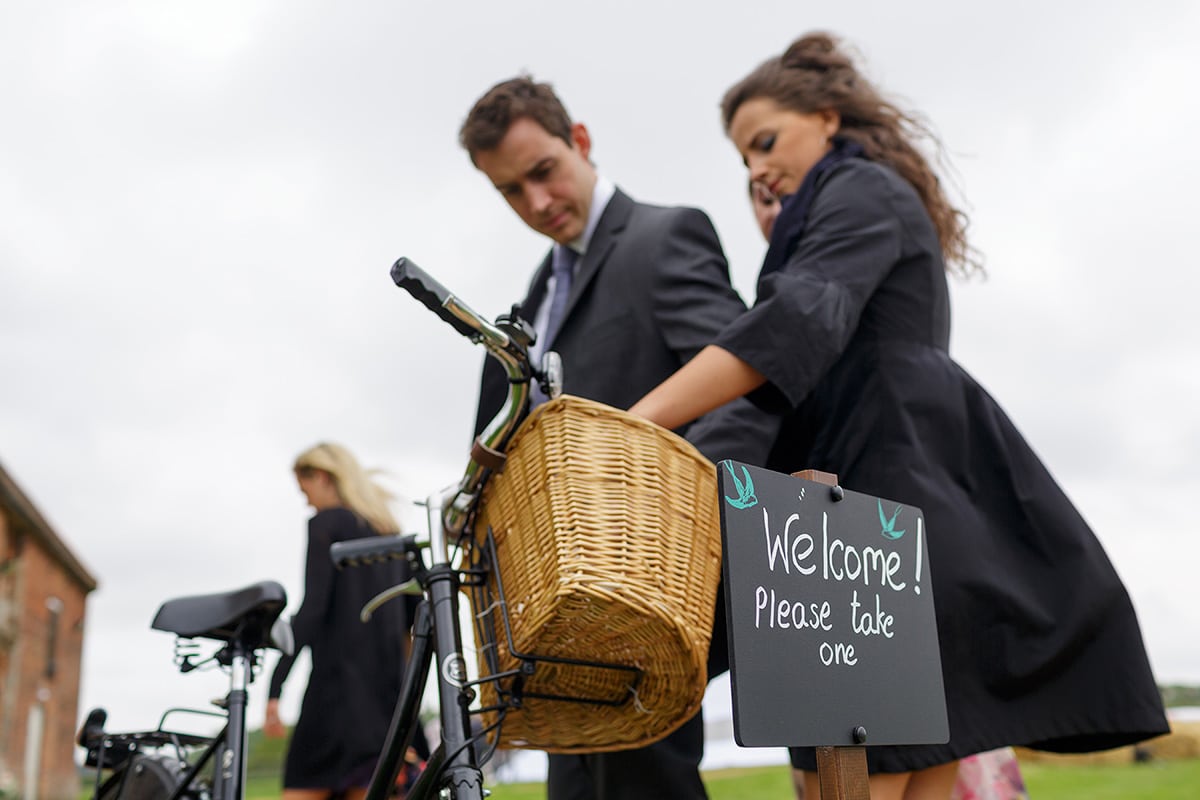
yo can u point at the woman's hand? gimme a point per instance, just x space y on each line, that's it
710 380
273 727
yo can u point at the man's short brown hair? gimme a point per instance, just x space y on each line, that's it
504 104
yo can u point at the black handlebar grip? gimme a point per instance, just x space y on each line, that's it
414 280
370 550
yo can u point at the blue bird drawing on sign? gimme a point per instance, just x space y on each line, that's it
745 489
889 525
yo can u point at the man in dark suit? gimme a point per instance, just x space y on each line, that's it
640 290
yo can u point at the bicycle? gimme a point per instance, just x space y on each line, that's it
166 764
454 769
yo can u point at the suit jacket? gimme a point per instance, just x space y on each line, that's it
652 291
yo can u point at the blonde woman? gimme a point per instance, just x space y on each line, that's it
356 667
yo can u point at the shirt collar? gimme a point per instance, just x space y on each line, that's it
602 192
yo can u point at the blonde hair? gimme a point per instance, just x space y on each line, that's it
354 486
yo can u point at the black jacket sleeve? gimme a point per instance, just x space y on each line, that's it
318 592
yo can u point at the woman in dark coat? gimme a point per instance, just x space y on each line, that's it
848 339
356 667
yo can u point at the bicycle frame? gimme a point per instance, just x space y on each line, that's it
454 770
437 633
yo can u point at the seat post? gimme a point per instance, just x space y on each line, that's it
231 765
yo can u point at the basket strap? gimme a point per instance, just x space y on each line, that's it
486 457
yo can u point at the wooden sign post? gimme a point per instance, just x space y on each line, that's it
832 635
841 771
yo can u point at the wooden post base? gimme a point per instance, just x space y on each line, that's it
841 771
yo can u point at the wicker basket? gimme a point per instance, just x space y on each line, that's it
608 546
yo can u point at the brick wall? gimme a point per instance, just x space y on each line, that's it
42 604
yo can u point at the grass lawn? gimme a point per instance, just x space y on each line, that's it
760 783
1163 780
1157 780
1047 780
1056 779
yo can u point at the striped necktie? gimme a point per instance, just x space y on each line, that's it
562 267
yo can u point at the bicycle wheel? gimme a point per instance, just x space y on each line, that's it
149 776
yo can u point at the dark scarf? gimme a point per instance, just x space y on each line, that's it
793 215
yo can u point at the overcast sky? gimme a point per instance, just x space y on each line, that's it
201 201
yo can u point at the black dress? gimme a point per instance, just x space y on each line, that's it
356 667
1040 645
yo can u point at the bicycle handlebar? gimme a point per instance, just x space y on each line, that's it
371 550
508 341
437 298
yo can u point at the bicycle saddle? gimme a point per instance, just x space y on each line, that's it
246 615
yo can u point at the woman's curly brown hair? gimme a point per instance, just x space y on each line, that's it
813 74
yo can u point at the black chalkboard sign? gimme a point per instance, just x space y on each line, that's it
829 600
